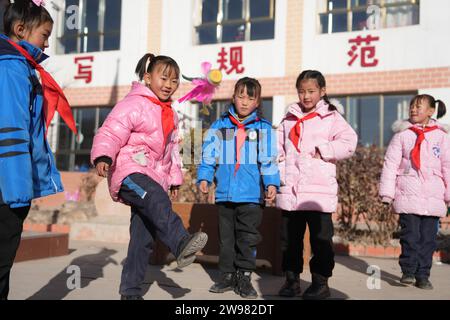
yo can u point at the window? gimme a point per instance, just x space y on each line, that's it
235 20
96 29
372 116
355 15
73 153
219 107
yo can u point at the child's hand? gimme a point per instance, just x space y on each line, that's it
102 169
174 192
204 186
387 200
271 193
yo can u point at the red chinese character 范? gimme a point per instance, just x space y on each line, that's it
84 71
367 52
236 60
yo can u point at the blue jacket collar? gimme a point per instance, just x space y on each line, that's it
253 116
6 49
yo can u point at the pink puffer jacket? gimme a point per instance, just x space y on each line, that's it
423 192
132 137
307 183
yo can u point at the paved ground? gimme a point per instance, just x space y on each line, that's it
101 264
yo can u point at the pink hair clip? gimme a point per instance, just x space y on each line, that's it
39 2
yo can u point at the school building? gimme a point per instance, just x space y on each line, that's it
376 55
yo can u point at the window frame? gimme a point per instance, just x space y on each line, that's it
349 10
74 151
345 101
221 22
81 35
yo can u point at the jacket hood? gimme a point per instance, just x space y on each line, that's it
322 108
402 125
7 51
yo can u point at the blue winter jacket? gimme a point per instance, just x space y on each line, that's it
258 167
27 165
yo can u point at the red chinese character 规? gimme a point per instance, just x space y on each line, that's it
236 60
367 52
84 71
222 59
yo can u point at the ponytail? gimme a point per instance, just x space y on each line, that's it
442 109
149 61
143 65
331 107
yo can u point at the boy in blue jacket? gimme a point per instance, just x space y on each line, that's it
239 155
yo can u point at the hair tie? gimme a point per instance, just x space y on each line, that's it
149 60
39 3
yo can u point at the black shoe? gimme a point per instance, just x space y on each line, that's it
407 279
226 283
424 283
189 247
132 297
318 290
244 286
291 287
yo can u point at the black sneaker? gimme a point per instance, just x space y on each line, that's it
318 290
132 297
407 279
189 247
226 283
424 283
291 287
244 286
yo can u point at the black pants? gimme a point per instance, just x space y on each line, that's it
321 237
11 226
418 240
238 235
151 217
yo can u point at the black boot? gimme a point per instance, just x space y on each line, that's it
244 286
226 283
318 289
291 287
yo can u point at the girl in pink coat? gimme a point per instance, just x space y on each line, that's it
137 150
416 178
312 137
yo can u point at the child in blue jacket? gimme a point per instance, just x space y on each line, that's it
239 155
27 103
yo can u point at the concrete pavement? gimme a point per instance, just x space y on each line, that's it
100 265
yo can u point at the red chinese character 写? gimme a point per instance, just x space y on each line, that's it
367 52
235 60
84 71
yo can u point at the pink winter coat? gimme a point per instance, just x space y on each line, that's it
423 192
132 137
309 184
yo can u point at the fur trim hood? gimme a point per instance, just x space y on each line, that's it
402 125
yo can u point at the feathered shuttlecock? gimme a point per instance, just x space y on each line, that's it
205 87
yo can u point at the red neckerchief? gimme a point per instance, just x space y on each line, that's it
168 124
54 98
295 133
415 153
240 139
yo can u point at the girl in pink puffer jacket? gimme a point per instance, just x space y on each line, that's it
137 150
312 137
416 178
